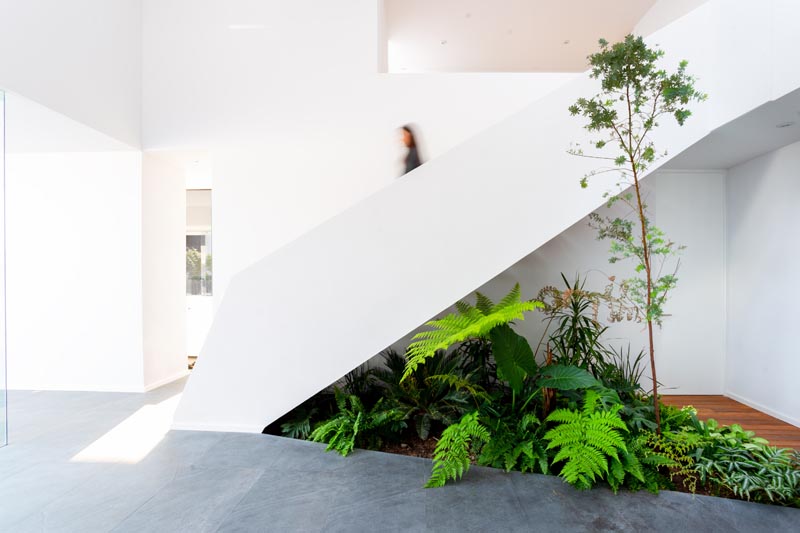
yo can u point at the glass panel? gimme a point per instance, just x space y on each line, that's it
198 265
3 392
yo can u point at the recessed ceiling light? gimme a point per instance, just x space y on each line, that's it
785 124
246 26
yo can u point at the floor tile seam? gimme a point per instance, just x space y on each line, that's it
145 501
233 507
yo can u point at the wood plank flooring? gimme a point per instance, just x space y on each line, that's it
727 411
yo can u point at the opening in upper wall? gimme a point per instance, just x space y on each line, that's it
501 35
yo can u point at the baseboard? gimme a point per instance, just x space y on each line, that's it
763 408
225 428
165 381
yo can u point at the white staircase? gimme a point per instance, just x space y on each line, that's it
305 315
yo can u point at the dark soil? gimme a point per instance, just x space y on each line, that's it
413 446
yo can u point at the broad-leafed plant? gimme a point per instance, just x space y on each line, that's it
636 93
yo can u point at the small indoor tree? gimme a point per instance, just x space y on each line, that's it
635 93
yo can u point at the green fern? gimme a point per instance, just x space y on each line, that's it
516 445
469 322
354 425
451 457
586 440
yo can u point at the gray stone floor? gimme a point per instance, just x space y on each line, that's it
200 481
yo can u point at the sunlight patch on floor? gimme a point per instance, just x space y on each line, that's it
133 438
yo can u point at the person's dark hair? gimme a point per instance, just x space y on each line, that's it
410 131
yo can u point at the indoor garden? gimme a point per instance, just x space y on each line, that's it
470 390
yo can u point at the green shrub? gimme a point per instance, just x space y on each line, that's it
586 440
354 425
757 473
516 444
424 401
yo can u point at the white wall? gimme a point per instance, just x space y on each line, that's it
74 271
763 367
81 58
163 259
690 348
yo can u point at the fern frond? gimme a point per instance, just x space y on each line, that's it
470 322
483 303
590 443
451 457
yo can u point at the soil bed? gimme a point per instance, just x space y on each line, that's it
412 446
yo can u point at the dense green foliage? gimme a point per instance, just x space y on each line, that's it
574 406
433 396
354 425
586 440
469 322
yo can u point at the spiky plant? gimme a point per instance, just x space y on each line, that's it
427 402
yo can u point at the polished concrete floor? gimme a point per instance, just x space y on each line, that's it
86 462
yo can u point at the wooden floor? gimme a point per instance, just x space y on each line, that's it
727 411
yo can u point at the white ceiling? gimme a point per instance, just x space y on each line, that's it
746 137
503 35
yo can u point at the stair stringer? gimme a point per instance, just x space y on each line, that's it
303 316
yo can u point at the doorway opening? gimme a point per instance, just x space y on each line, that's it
199 271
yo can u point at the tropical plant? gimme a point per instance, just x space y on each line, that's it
576 339
363 383
515 444
425 401
635 93
587 440
451 458
354 425
758 473
664 460
469 322
298 426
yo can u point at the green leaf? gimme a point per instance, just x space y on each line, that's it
469 323
566 378
513 355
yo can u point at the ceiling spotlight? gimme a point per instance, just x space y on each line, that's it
785 124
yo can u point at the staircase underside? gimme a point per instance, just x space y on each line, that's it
305 315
